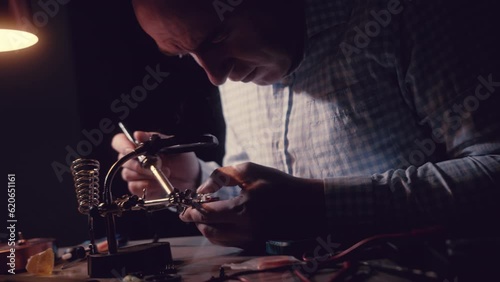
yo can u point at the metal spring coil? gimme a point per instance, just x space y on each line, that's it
86 177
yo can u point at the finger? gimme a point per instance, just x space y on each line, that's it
137 187
148 187
225 211
223 176
121 144
132 175
225 234
142 136
130 164
136 166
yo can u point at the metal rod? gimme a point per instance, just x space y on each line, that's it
155 202
93 247
162 179
111 232
129 136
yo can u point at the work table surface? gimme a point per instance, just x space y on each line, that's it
197 260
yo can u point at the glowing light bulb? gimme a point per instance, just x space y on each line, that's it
11 39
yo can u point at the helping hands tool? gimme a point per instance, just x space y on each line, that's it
175 198
85 173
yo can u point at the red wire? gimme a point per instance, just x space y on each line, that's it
366 241
347 265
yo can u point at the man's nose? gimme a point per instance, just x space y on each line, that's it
217 69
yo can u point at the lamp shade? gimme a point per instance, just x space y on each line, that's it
15 16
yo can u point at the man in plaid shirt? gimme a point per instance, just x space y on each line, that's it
343 117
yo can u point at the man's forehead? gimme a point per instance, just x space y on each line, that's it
189 10
179 24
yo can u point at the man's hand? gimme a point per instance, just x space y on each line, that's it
181 169
272 205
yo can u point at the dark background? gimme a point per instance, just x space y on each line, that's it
91 53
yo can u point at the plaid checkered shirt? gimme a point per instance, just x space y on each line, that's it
394 105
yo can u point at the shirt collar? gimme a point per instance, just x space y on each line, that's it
320 15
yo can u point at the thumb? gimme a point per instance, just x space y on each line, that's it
143 136
224 176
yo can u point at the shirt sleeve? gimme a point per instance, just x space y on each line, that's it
459 191
452 86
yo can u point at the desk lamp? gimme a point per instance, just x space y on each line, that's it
15 18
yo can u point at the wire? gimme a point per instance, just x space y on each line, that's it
343 255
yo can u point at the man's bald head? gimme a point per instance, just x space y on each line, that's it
250 41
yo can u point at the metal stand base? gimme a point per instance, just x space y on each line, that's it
151 258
